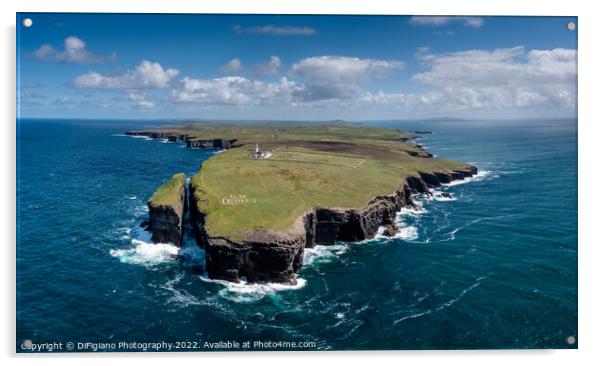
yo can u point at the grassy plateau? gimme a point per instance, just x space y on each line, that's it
170 192
336 165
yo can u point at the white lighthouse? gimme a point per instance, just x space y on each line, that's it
259 155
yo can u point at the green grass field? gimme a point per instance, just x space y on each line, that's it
273 131
312 169
169 193
298 156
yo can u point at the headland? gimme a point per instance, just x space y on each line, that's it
278 188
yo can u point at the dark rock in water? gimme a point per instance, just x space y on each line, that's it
166 211
390 230
144 224
446 195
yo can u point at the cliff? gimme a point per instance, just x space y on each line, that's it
191 141
166 211
270 256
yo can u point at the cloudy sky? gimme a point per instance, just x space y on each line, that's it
295 67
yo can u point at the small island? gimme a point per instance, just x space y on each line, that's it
278 188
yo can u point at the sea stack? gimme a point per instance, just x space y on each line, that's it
166 211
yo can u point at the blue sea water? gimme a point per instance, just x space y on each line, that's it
496 267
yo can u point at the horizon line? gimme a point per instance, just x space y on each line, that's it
192 119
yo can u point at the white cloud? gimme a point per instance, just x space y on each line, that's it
74 51
145 104
503 78
232 67
327 81
147 74
234 90
344 69
226 90
277 30
508 79
235 66
328 77
438 21
140 99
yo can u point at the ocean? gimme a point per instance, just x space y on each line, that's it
493 267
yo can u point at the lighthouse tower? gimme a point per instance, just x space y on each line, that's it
259 155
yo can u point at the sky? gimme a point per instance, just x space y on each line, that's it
153 66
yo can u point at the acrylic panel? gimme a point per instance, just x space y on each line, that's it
190 182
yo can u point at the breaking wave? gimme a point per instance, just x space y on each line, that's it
438 196
144 252
244 292
481 175
323 253
405 231
140 137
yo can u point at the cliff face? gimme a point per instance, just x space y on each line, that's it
166 211
191 143
210 144
276 256
159 135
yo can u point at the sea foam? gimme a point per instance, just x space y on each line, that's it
323 253
405 231
444 305
250 292
144 252
475 178
438 196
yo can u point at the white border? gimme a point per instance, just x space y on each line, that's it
590 141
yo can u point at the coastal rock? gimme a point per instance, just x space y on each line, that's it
266 258
191 143
356 225
390 230
209 144
171 137
436 179
417 185
166 211
446 195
